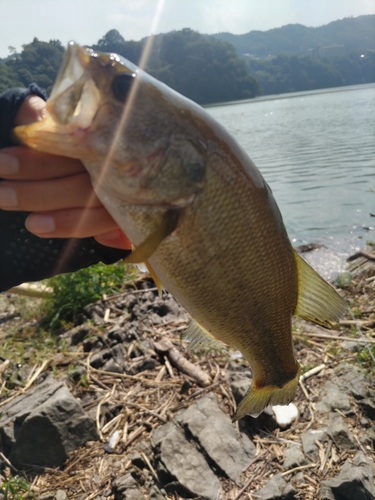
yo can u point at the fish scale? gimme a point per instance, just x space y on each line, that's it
196 209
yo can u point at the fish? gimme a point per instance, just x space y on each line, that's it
196 209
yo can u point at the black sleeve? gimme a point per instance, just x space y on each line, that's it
23 256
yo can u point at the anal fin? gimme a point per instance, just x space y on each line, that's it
317 300
199 337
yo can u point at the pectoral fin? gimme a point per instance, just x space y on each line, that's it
155 277
144 251
317 300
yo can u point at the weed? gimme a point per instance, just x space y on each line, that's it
15 488
364 358
73 291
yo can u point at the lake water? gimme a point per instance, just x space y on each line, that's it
316 150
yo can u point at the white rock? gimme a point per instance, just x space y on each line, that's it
285 414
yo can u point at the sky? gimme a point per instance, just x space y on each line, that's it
86 21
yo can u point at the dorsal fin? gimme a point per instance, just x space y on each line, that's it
317 300
199 337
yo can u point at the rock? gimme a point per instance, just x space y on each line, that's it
180 463
334 398
92 344
7 439
155 493
216 435
368 407
308 441
339 431
78 334
145 364
277 489
285 414
355 481
61 495
110 359
126 488
351 378
48 423
294 457
368 437
239 384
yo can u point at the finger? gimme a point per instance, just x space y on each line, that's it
21 163
114 239
32 110
74 223
74 191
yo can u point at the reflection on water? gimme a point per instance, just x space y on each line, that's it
317 152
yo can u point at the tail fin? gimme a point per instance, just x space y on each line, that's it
256 400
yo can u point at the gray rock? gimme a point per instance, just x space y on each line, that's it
216 435
189 473
334 398
48 423
339 431
368 437
110 359
155 493
7 439
308 441
145 364
351 378
368 407
126 488
78 334
277 489
239 384
26 403
355 481
294 457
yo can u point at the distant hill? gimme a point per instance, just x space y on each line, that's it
355 33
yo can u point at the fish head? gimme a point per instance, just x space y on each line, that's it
137 137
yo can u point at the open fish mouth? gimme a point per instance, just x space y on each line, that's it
81 89
74 98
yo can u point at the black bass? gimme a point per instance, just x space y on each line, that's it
196 209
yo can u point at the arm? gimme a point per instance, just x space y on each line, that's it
40 185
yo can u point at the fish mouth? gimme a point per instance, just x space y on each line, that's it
74 98
70 110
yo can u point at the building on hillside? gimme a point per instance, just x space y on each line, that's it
328 51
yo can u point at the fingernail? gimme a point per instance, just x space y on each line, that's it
111 235
9 164
40 224
8 197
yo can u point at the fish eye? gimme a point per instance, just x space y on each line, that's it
121 85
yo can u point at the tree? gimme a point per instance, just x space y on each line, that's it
114 42
38 62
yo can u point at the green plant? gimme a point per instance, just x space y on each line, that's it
73 291
15 488
365 355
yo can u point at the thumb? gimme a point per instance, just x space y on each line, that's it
32 110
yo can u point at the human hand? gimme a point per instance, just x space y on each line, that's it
55 189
